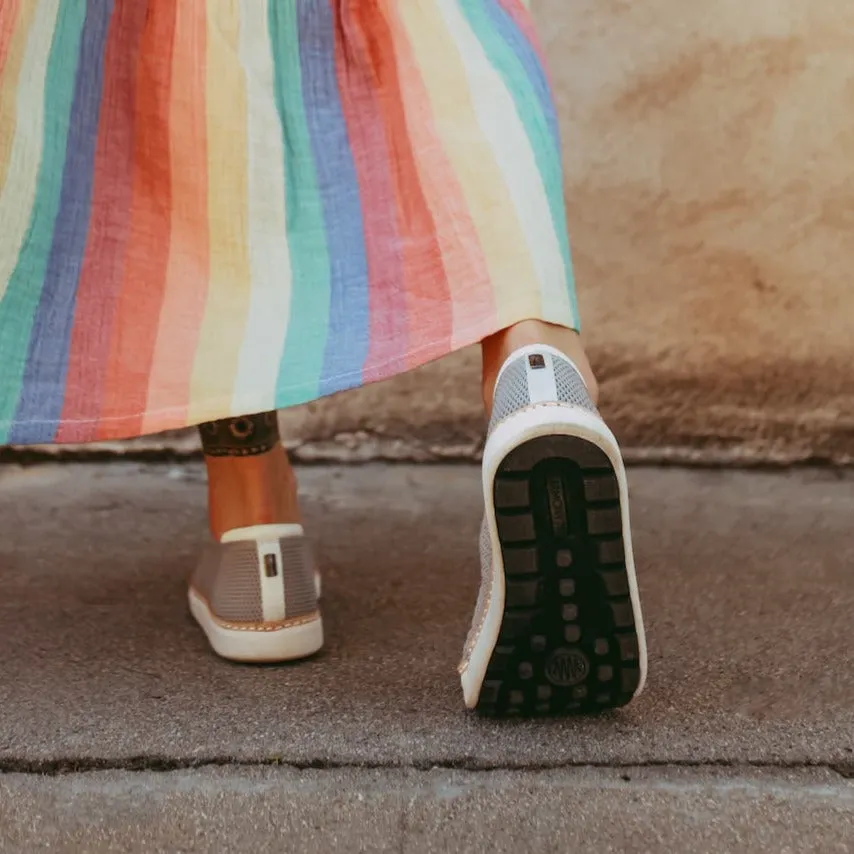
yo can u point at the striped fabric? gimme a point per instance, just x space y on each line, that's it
216 208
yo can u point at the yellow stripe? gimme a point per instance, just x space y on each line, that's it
229 291
269 255
471 155
22 126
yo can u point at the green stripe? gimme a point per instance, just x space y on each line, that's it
546 152
21 300
308 328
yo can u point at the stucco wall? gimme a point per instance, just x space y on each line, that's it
710 182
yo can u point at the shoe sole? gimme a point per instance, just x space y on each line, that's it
563 633
257 645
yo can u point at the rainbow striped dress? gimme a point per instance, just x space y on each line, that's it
217 208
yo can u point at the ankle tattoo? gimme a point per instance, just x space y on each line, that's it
246 436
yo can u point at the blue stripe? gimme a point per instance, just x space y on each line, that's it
515 59
21 299
531 62
349 323
42 395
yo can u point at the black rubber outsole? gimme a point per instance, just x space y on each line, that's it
568 642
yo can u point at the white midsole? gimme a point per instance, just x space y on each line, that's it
521 427
259 646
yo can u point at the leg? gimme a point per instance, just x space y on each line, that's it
250 481
255 592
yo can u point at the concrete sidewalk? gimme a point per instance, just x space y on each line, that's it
121 731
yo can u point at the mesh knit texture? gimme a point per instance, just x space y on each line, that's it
228 577
299 570
512 394
570 386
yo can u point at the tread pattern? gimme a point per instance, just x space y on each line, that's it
568 642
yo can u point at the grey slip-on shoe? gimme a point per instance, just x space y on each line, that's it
557 628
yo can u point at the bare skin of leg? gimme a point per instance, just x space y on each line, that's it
498 347
250 480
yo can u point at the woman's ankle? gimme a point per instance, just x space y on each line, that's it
250 480
498 347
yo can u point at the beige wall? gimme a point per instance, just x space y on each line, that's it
709 150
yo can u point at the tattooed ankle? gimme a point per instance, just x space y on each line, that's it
240 437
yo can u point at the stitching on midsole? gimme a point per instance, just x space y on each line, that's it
256 627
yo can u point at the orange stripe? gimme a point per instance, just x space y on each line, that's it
189 266
141 296
14 34
8 14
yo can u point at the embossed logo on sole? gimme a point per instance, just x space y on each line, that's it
567 667
557 506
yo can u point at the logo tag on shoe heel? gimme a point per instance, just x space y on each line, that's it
537 362
271 566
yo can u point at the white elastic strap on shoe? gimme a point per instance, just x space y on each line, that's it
542 385
270 569
549 354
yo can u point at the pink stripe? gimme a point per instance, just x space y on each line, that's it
360 91
458 247
104 260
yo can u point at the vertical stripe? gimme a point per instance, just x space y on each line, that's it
15 31
109 224
22 119
361 86
471 296
347 341
224 322
496 113
513 57
308 329
269 258
44 378
475 161
9 10
520 12
140 295
18 304
517 28
542 382
187 270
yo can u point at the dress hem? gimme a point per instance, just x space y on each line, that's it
175 418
